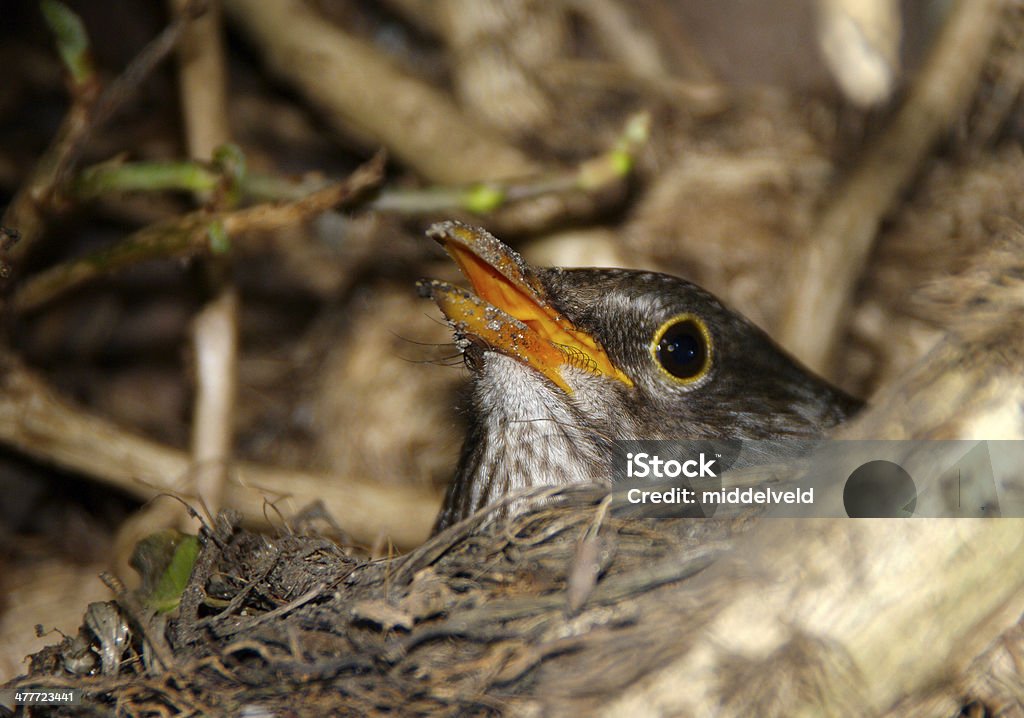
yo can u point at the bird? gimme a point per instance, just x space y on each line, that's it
567 361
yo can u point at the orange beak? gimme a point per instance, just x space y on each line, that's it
510 311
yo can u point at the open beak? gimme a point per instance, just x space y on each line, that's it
510 311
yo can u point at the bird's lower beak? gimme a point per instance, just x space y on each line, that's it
510 311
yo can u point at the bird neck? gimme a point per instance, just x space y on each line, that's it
524 432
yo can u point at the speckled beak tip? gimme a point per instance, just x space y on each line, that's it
510 311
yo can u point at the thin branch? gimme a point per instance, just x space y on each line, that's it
364 95
697 98
592 175
89 110
483 197
202 81
195 176
830 263
34 421
196 233
215 340
632 46
24 217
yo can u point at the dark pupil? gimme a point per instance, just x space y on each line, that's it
682 350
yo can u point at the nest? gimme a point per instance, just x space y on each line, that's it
566 608
564 602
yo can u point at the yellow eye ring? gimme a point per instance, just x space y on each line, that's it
682 349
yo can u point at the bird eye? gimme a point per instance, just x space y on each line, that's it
682 348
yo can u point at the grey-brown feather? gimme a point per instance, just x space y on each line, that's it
525 431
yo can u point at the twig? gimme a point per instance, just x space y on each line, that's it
484 197
215 339
199 232
142 65
364 95
630 45
195 176
89 110
591 175
35 422
830 263
675 38
250 621
202 81
696 98
25 213
497 55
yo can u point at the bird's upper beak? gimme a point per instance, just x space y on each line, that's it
510 311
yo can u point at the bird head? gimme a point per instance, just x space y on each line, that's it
566 361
